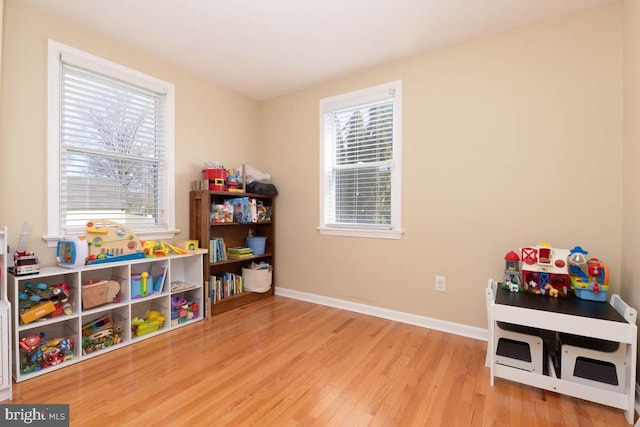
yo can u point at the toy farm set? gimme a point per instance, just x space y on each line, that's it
102 327
554 272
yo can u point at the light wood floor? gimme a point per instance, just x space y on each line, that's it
282 362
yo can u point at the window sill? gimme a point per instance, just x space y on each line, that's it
361 232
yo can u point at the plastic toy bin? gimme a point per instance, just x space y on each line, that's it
185 306
140 311
40 348
103 330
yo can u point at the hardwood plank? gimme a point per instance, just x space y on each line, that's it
282 362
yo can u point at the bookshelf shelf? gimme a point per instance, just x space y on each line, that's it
234 234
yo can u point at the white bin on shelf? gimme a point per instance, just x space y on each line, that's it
257 280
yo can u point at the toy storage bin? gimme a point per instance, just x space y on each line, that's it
519 347
216 178
32 290
185 306
594 362
257 280
58 345
140 310
104 330
241 212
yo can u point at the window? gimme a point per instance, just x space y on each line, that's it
110 146
360 163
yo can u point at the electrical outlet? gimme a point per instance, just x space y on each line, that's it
440 283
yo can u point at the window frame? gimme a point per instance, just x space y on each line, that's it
112 69
352 99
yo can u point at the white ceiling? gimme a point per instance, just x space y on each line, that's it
266 48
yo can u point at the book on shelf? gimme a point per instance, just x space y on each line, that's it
239 250
240 256
224 286
217 250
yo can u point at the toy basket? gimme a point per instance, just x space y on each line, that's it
257 280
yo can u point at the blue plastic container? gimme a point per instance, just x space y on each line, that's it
257 243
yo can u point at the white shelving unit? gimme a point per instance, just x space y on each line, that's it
187 270
5 322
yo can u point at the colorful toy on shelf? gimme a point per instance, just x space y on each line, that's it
512 272
589 278
182 310
545 268
37 354
62 295
23 262
99 334
141 285
152 322
37 312
40 300
156 248
232 180
109 241
177 302
72 251
222 212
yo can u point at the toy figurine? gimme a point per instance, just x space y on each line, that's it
62 292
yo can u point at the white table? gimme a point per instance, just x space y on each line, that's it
569 315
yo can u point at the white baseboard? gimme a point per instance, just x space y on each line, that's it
398 316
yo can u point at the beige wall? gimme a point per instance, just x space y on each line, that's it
631 188
212 122
508 141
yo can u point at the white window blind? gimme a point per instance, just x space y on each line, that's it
110 149
360 160
111 152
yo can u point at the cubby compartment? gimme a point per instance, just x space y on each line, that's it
185 275
43 347
147 279
149 316
104 330
186 307
103 286
44 298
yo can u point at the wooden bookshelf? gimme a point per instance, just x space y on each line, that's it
203 229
